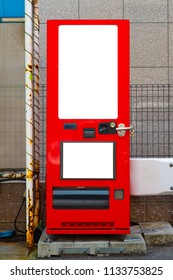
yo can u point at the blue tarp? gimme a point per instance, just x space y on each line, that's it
11 8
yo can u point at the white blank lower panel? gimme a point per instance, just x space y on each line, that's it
87 160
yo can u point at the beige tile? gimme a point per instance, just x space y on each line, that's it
149 75
149 45
170 10
171 44
58 9
171 75
145 11
101 9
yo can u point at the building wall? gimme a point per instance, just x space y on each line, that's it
151 32
12 96
143 208
11 198
151 64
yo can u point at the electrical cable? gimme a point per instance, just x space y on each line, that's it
12 179
15 221
12 174
23 201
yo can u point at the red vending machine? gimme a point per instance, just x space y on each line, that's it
88 128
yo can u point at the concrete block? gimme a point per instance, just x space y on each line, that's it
6 226
149 75
44 250
101 9
9 211
137 198
155 198
157 233
12 192
138 212
133 243
135 229
145 11
169 197
3 213
58 9
149 45
169 211
12 209
90 244
155 211
54 244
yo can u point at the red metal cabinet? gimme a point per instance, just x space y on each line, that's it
87 181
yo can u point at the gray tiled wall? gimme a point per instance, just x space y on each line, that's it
151 46
12 101
100 9
149 75
151 55
151 32
170 3
146 11
171 44
12 53
58 9
171 75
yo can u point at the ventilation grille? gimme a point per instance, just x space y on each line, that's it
74 198
88 224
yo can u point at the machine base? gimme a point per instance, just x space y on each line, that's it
89 231
56 245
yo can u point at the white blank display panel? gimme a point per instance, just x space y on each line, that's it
87 160
87 72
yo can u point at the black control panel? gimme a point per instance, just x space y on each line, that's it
107 128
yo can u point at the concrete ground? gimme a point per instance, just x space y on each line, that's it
153 253
155 243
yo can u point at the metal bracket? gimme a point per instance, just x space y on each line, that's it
121 129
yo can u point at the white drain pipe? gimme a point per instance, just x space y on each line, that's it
36 114
29 108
